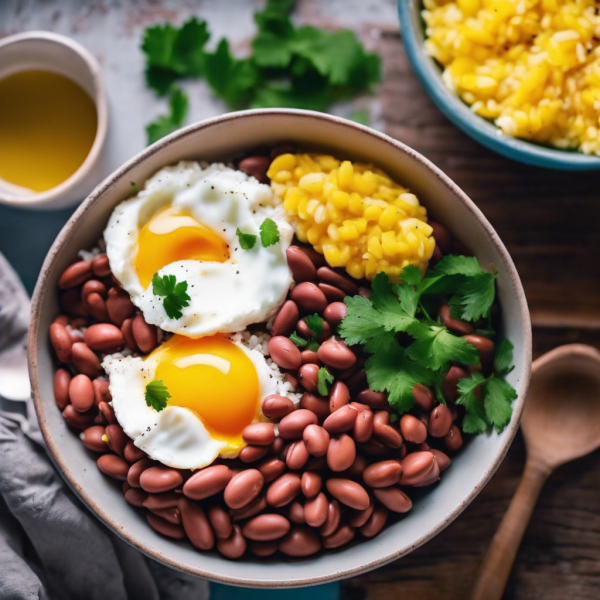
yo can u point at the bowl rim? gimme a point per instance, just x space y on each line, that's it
338 574
53 196
461 115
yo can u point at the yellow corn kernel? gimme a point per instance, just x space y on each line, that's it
360 224
283 162
312 182
312 206
356 269
372 213
374 246
335 215
328 163
356 204
389 244
332 255
388 218
302 208
364 185
333 232
340 199
346 175
348 232
313 235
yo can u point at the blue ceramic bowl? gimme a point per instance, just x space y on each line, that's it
480 129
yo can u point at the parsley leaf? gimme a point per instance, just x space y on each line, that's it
315 323
157 395
453 264
299 341
497 400
178 104
478 295
247 240
411 275
269 234
325 379
475 419
175 296
503 357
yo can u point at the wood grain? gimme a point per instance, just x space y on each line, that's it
550 223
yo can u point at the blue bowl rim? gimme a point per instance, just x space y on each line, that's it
459 113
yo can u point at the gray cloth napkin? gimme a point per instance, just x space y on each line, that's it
51 546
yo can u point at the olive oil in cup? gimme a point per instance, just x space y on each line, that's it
47 127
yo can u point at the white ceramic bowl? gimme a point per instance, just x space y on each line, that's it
52 52
220 139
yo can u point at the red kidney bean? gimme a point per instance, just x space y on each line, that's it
135 497
101 391
440 421
310 484
363 426
316 509
328 275
382 474
116 439
297 456
164 527
434 476
271 468
276 407
127 331
374 447
300 542
454 325
453 439
293 425
335 313
119 305
144 334
303 329
316 258
360 517
341 420
283 490
159 501
207 482
300 265
357 467
284 353
253 508
336 354
75 274
387 434
376 522
289 378
136 469
70 303
259 434
348 492
424 397
376 400
417 467
316 440
393 498
276 446
77 420
196 525
61 341
332 522
412 429
243 488
332 293
484 345
316 404
107 412
85 360
62 380
286 318
381 417
256 166
220 521
296 513
309 297
308 375
96 306
442 459
262 549
92 438
113 466
341 453
266 528
339 396
101 266
450 382
342 536
160 479
171 515
360 407
310 357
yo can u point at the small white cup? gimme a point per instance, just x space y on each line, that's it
59 54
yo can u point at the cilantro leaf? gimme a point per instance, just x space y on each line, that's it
157 395
497 400
475 419
314 346
247 240
411 275
362 321
395 373
325 379
178 104
503 357
283 7
298 340
269 234
453 264
315 323
435 347
478 295
383 296
175 294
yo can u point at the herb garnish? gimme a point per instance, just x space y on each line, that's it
325 379
157 395
315 323
269 233
299 341
178 104
247 240
175 296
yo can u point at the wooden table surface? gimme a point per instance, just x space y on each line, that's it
550 222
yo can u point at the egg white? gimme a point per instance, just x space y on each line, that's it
225 297
175 436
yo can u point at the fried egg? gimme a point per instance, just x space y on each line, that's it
184 223
216 386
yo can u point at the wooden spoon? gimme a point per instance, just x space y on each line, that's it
561 422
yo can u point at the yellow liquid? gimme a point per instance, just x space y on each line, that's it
47 127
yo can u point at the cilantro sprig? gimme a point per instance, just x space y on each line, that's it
166 124
269 235
407 346
174 293
157 395
324 381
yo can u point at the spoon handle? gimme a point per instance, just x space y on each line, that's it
499 559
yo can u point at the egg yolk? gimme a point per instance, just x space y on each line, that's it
172 235
213 378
